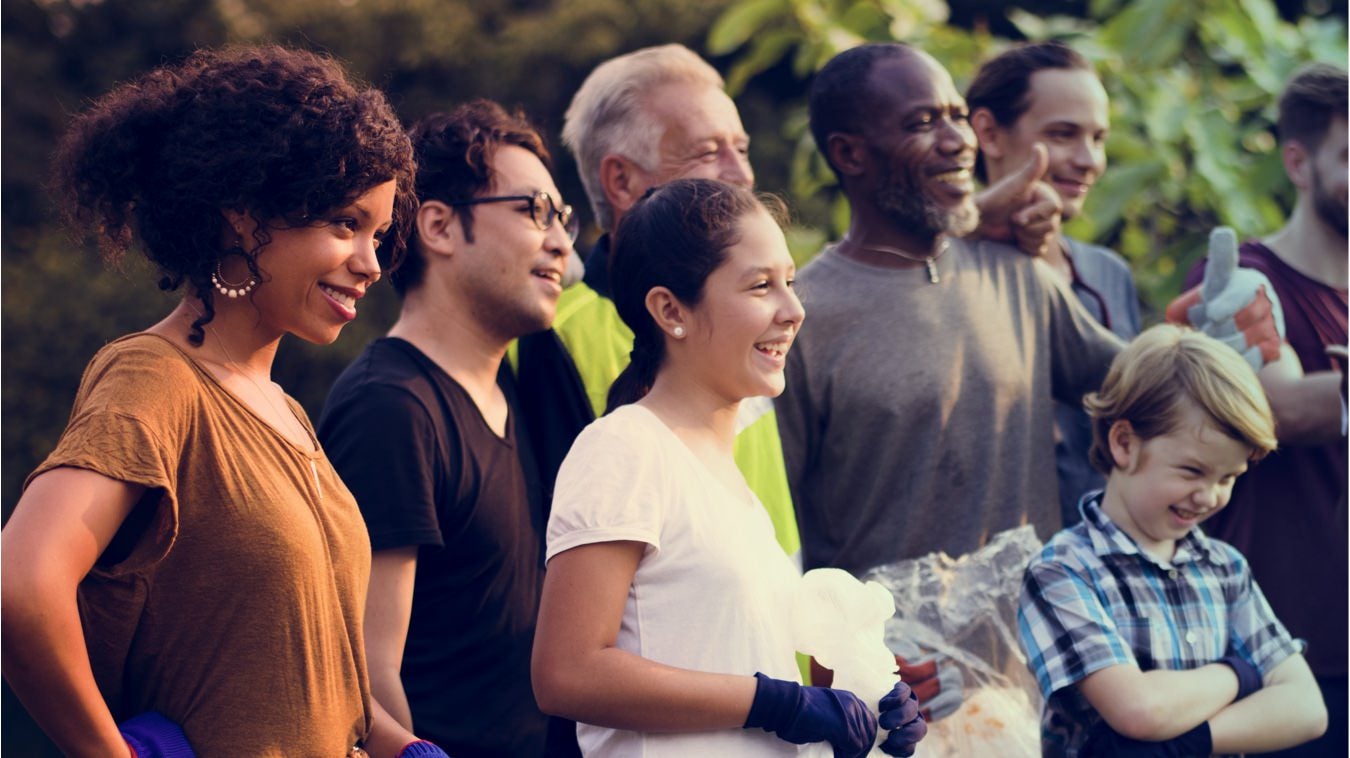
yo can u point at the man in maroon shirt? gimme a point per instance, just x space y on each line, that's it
1288 514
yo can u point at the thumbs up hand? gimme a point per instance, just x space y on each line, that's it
1237 306
1021 208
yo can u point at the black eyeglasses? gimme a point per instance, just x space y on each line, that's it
542 210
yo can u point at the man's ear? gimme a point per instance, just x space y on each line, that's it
439 228
667 311
622 181
1297 164
847 153
988 132
1124 444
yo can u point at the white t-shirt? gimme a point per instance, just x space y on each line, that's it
713 590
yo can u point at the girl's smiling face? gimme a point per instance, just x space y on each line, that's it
744 324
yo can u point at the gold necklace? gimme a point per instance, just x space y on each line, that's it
304 434
230 361
929 261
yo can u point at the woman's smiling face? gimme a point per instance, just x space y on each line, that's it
314 274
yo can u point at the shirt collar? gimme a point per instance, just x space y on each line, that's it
1107 538
597 267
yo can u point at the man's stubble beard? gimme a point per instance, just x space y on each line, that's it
902 201
1330 209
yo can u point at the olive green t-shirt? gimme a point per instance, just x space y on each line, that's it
231 598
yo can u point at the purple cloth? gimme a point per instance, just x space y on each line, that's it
153 736
1288 512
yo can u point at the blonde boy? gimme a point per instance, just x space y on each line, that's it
1146 637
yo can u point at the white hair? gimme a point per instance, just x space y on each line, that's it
606 115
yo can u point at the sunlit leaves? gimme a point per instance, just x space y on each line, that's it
1192 88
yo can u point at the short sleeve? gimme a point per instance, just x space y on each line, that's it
1254 632
609 488
131 422
1064 630
1081 349
382 441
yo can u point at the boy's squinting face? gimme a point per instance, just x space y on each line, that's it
1165 486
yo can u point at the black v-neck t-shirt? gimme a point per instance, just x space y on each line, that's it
428 471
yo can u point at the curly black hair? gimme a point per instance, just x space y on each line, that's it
280 133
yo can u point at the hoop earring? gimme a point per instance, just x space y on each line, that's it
678 331
232 291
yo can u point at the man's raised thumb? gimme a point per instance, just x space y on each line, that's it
1016 187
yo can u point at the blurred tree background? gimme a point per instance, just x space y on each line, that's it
1192 84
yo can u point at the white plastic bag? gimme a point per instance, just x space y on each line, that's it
965 611
841 622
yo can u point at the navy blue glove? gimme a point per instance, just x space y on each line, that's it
421 749
1107 743
901 717
800 715
150 735
1248 676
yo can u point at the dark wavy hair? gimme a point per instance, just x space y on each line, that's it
454 162
1003 83
674 237
280 133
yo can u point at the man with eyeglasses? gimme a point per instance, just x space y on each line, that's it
422 427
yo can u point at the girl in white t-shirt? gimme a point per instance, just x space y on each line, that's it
664 625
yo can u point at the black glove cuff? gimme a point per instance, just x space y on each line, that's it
774 704
1197 741
1249 678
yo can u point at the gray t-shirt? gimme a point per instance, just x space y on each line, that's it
920 416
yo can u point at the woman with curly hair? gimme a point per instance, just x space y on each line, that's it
187 557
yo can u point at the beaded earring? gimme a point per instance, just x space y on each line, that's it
228 289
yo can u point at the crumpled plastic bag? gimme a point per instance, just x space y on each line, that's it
964 610
841 622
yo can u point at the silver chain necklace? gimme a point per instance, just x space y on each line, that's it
929 261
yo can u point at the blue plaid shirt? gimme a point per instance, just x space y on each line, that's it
1093 599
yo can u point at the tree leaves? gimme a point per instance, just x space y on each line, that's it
1192 89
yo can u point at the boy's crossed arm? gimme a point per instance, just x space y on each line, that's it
1286 711
1164 712
1158 705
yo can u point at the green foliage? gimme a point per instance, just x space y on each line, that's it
60 304
1192 87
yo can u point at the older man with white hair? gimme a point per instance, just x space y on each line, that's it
639 120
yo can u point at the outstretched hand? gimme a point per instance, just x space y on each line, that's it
1021 208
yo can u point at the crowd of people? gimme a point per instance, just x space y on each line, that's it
546 516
